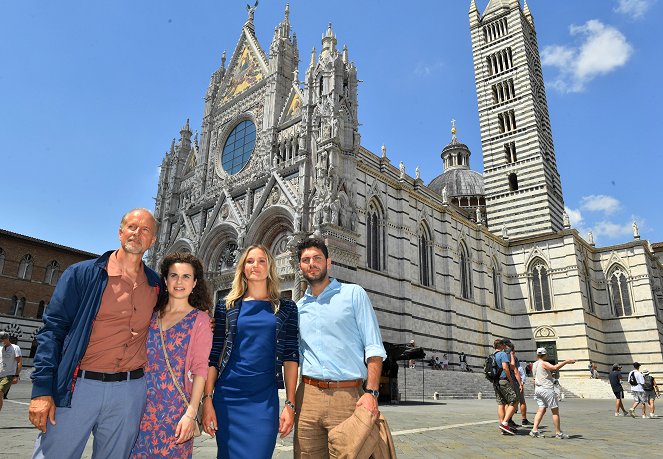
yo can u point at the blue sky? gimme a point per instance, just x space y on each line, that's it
92 93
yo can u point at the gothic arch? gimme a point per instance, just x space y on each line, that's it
619 291
181 245
213 244
540 285
269 225
496 272
465 267
375 234
425 245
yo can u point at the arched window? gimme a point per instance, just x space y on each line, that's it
18 304
52 273
40 310
588 288
425 257
25 267
2 260
540 286
465 273
374 236
618 292
497 287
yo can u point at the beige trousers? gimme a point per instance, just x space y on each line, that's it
318 412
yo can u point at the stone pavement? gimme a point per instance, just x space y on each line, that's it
445 428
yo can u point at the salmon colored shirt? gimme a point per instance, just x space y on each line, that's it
119 332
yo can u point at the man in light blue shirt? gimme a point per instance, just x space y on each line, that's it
340 348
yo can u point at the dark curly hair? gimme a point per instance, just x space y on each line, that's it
309 243
200 297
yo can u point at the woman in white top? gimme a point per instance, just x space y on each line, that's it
544 392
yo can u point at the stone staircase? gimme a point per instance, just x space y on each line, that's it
417 384
412 382
590 388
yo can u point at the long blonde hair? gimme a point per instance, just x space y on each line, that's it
240 285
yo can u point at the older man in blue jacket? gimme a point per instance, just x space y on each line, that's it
93 341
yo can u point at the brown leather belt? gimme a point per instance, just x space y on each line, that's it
324 384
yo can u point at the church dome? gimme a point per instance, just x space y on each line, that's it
459 182
458 178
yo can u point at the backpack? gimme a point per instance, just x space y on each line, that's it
490 368
649 383
631 379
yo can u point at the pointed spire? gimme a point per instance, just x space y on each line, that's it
345 54
328 41
223 59
172 146
195 139
453 130
287 12
473 7
313 58
186 127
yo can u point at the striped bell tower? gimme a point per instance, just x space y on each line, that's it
522 186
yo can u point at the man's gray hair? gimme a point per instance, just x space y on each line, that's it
142 209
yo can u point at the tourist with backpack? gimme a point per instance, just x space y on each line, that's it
499 371
545 394
651 391
636 380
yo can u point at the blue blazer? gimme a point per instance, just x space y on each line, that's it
287 336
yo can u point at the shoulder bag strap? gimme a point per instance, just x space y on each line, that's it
170 369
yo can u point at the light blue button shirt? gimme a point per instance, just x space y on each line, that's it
338 331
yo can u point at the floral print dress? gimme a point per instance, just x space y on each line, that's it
165 406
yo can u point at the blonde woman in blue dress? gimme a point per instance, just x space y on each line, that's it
256 337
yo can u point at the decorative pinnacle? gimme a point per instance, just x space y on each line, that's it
287 10
453 129
223 59
313 57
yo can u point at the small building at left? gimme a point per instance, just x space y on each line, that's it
29 270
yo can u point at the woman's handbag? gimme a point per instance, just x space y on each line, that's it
198 425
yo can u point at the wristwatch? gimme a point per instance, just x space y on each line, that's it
374 393
204 397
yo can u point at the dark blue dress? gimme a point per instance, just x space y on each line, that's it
246 394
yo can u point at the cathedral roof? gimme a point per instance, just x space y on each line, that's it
459 182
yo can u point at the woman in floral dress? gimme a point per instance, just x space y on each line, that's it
167 427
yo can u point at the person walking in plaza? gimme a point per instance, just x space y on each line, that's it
10 365
518 381
93 340
505 395
340 348
544 392
255 344
615 378
178 346
636 380
651 391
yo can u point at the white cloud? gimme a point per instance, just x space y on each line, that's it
603 49
634 8
600 203
575 216
426 69
612 230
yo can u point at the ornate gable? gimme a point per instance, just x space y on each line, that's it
293 108
248 66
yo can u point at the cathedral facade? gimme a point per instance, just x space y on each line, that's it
452 264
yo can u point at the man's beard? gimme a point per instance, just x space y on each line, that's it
134 247
317 278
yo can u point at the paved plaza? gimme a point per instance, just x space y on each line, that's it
445 428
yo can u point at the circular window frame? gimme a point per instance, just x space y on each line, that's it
221 145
